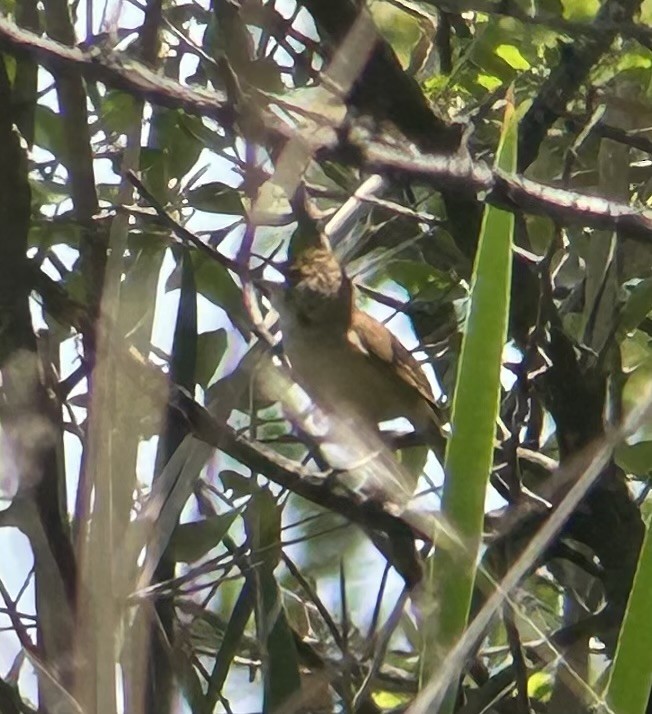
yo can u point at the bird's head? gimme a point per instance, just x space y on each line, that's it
317 290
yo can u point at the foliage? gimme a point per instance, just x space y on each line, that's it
178 533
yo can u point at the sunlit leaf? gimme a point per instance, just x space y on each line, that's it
580 9
512 56
540 686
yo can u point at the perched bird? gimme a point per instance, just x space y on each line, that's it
348 362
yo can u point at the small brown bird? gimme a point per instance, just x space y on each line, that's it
348 362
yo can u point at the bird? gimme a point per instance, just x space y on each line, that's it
346 361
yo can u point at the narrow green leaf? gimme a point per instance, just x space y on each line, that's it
281 667
215 283
631 674
184 350
191 541
637 307
475 408
216 197
235 628
211 347
48 132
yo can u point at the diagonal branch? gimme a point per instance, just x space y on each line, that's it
453 174
114 71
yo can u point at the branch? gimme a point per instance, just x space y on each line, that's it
372 515
111 69
510 192
383 90
457 174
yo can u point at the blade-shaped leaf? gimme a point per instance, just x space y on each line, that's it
191 541
475 408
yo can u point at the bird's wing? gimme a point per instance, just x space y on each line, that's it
375 340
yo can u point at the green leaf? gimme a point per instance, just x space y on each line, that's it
639 382
216 197
488 81
232 636
539 686
120 111
580 10
390 700
635 351
283 680
8 7
239 484
191 541
399 28
151 160
138 287
630 678
48 132
47 192
635 458
180 148
215 283
184 345
417 277
281 675
262 520
511 55
414 460
637 307
44 234
209 138
635 58
211 347
469 454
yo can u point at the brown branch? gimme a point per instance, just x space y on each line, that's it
511 192
383 90
456 174
632 139
181 231
30 419
74 117
114 71
317 487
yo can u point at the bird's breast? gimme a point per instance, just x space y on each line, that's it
339 378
